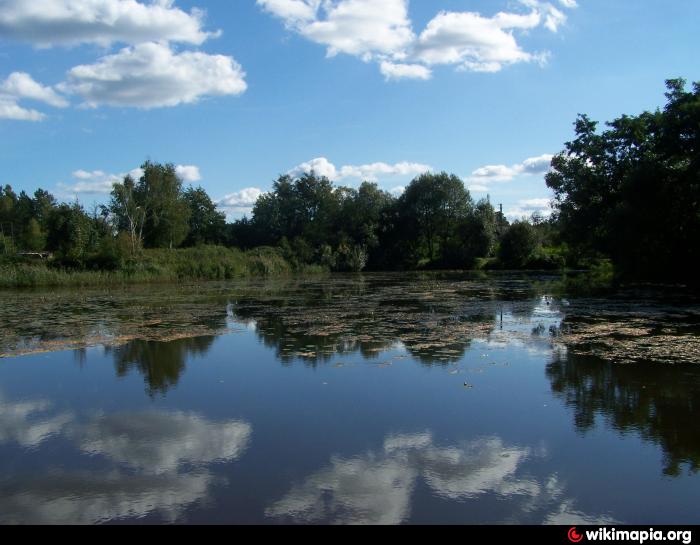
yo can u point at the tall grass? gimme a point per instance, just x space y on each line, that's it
154 266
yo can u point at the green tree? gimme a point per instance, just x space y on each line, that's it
517 245
431 208
129 214
71 235
153 210
302 207
159 192
632 192
473 237
207 225
34 238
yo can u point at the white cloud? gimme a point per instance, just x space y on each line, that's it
399 71
354 27
321 166
468 40
474 42
370 172
98 182
240 203
397 191
242 199
91 183
188 173
527 207
552 17
151 75
293 12
502 173
9 109
69 22
20 86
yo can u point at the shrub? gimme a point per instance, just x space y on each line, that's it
517 245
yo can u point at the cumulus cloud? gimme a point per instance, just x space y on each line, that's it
241 202
474 42
502 173
370 172
354 27
46 23
188 173
527 207
552 17
152 75
21 86
468 40
98 182
321 166
293 12
399 71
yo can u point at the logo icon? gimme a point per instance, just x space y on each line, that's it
574 536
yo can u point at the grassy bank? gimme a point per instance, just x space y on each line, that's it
152 266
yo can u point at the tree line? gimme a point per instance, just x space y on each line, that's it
629 194
435 223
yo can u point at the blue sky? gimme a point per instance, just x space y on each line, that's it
236 93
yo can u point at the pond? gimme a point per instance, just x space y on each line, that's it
375 399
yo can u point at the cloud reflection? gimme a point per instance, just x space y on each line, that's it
28 423
150 450
94 497
159 442
377 487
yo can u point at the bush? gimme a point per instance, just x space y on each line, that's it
546 259
518 245
350 258
199 263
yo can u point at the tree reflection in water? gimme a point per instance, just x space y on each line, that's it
434 319
659 402
160 363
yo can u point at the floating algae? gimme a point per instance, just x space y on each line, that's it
434 318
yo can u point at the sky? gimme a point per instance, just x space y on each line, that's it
236 93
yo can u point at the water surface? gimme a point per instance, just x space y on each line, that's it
380 399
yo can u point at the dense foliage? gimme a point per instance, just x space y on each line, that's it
629 194
632 192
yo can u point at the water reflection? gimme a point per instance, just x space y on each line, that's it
435 320
151 463
160 442
78 446
378 487
660 403
95 497
29 423
160 363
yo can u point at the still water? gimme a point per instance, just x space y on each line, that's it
380 399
